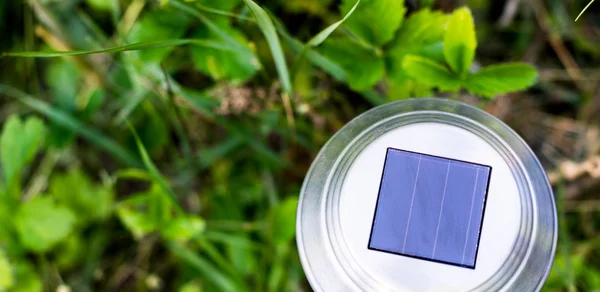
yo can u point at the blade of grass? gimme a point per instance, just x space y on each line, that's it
218 258
132 174
324 63
98 35
178 121
324 34
239 48
320 38
131 104
129 17
564 237
228 238
234 225
373 97
125 48
584 9
209 155
211 25
277 271
255 143
115 11
65 120
197 101
206 268
156 176
223 13
268 29
317 59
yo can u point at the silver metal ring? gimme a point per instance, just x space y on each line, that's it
331 265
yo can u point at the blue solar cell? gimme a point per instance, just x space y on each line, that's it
430 207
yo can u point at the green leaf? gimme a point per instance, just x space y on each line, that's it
408 88
184 228
191 286
283 220
6 273
565 270
375 21
64 80
8 239
64 119
345 53
41 223
421 34
429 72
314 7
220 64
499 79
75 190
100 4
460 41
243 259
71 252
268 29
223 5
158 25
433 51
19 142
422 28
138 223
241 49
26 278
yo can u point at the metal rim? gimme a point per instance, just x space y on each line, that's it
316 232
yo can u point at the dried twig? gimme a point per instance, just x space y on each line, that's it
510 10
541 14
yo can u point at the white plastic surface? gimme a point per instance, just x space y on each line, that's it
396 272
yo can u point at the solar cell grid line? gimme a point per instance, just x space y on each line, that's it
462 261
430 207
396 195
458 214
478 214
426 207
437 231
412 199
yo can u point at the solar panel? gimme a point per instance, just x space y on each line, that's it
430 208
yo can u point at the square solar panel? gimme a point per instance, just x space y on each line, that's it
430 208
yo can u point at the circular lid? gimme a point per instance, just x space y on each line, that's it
426 195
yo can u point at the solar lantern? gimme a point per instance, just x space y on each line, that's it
426 195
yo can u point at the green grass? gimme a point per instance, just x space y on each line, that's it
168 140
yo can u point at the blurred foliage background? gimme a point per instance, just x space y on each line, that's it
176 166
